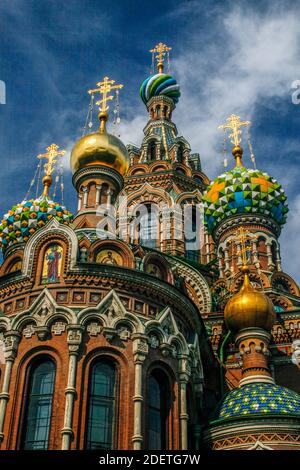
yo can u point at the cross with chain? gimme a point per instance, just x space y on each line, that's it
105 87
160 49
50 156
234 123
243 237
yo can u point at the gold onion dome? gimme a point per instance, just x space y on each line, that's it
249 308
101 148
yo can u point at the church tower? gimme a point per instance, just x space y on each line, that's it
165 176
250 414
251 200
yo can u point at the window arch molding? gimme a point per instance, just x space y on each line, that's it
122 404
24 400
169 406
8 263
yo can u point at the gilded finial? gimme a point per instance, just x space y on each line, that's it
243 236
234 123
50 156
104 88
160 49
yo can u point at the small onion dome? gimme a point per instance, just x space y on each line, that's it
160 84
100 149
243 191
249 308
24 219
258 399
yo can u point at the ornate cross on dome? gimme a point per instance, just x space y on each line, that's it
234 123
243 236
104 88
50 156
160 49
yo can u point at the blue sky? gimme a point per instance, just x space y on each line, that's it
229 57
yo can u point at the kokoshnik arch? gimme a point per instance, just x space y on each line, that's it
137 341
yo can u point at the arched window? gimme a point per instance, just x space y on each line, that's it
38 402
191 233
152 150
158 411
101 406
148 227
274 253
180 154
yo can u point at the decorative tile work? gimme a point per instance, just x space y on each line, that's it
260 399
24 219
241 191
160 84
62 297
78 297
138 306
94 297
20 303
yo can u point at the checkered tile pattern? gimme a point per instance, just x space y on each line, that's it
244 191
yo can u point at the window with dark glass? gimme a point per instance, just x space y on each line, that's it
148 227
39 399
101 406
158 411
190 236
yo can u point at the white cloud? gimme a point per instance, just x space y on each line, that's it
289 241
253 57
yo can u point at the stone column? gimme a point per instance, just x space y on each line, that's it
269 255
74 340
255 253
79 202
226 256
85 196
207 248
220 264
184 374
11 343
239 251
278 258
98 193
140 352
109 194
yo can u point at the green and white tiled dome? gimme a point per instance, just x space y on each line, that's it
259 399
244 191
24 219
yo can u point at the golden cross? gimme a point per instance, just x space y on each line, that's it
161 49
104 88
50 155
234 123
243 237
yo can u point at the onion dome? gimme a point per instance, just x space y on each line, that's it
100 149
259 400
243 191
249 308
24 219
160 84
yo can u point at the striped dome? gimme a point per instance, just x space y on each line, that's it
259 399
160 84
243 191
24 219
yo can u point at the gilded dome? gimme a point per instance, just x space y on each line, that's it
243 191
100 149
249 308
